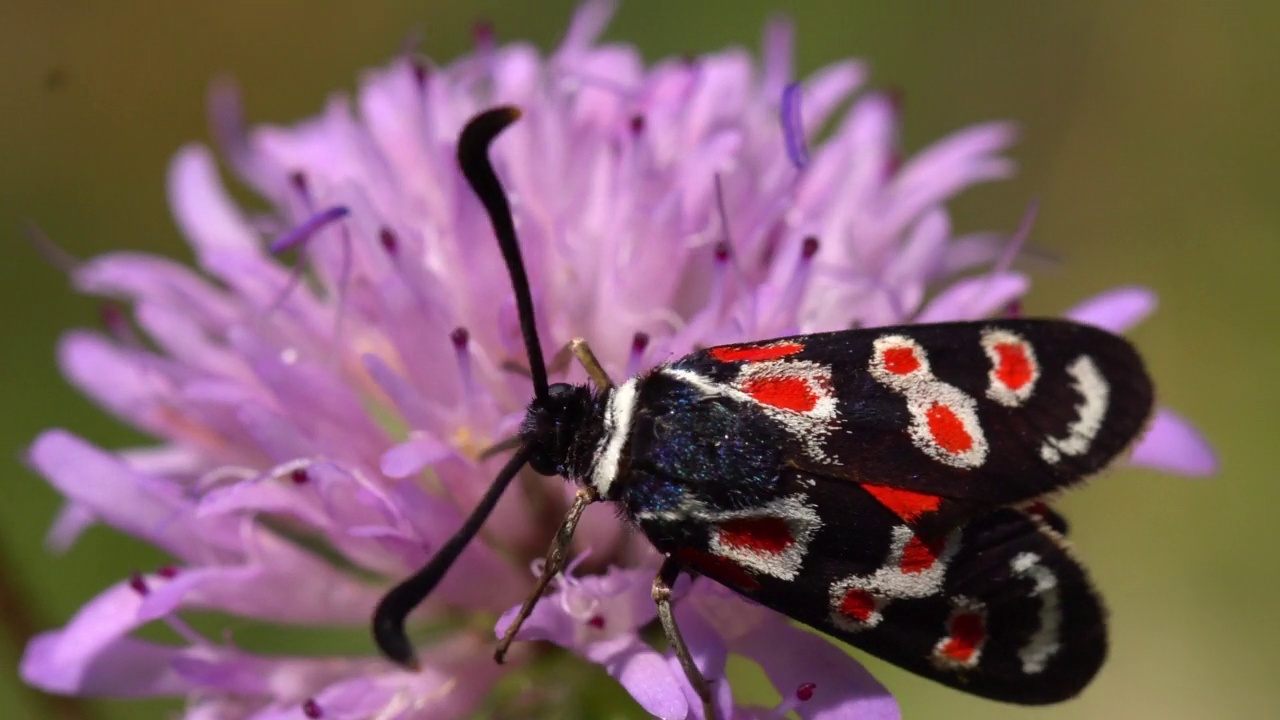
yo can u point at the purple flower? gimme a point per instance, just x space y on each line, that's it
320 428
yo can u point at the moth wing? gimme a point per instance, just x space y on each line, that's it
997 607
983 413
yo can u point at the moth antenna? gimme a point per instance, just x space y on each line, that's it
473 158
395 606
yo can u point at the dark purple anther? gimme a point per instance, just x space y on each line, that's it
298 180
637 124
460 337
793 127
312 709
168 572
115 321
299 476
389 241
810 247
722 251
639 343
597 622
420 71
139 584
484 34
307 229
804 693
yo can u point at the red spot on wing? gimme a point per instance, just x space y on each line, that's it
918 555
966 632
947 429
900 360
1015 369
753 353
905 504
722 570
766 535
858 604
782 391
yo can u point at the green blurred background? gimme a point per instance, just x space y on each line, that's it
1149 138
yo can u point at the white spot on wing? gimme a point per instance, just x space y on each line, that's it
1092 410
1045 641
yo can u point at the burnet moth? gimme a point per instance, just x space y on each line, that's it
885 486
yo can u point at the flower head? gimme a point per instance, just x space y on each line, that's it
321 432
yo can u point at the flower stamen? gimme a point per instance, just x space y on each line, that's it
303 233
639 343
793 127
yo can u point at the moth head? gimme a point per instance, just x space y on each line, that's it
551 425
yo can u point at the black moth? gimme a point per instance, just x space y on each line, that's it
883 485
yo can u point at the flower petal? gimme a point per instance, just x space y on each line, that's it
842 687
148 508
122 668
1116 310
974 298
1173 444
645 674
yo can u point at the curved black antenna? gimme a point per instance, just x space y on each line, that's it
395 606
473 158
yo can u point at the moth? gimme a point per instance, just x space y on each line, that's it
885 486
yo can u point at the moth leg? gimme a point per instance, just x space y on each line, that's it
553 564
582 351
662 585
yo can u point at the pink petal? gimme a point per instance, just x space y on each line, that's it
412 455
283 584
92 654
1116 310
146 507
72 520
792 657
124 668
589 22
1173 444
974 298
202 207
644 673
